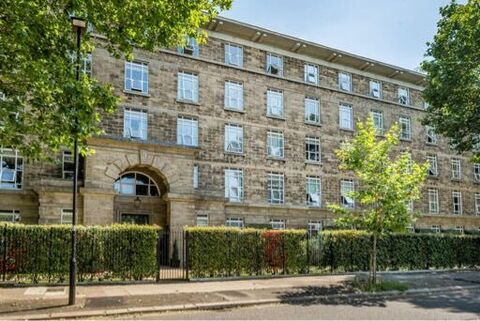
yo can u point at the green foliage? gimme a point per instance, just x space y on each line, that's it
386 183
452 86
41 253
349 251
224 251
45 106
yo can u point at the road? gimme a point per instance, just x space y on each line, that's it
460 305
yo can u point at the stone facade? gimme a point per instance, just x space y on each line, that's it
171 166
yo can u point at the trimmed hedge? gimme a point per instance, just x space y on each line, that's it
41 253
229 251
350 251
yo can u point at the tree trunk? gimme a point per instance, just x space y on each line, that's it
373 279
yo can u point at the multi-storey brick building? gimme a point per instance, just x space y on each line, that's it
239 131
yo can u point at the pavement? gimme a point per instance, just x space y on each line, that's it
113 300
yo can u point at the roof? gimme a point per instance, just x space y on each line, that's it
300 46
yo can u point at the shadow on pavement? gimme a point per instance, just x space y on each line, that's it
458 301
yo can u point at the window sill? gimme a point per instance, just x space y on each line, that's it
433 177
307 162
347 129
226 153
187 146
431 144
276 117
281 159
241 111
314 207
406 140
456 179
313 124
136 93
189 102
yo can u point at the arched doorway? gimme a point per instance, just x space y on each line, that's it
139 197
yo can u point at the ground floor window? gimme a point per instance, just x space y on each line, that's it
11 169
66 216
141 219
314 227
277 224
12 216
435 228
202 220
234 222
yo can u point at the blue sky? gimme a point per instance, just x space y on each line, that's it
392 31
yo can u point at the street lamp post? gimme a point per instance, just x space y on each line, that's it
78 25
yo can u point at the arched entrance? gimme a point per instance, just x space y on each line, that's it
138 198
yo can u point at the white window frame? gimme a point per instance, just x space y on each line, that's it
375 89
11 216
67 158
477 203
9 176
347 186
313 191
187 86
270 64
315 155
233 142
233 95
275 144
201 220
433 201
459 210
187 127
235 222
312 108
433 165
476 172
131 115
136 85
311 74
343 109
275 103
459 228
403 94
275 185
277 224
191 48
195 176
378 121
405 128
409 205
430 136
234 184
345 81
66 216
436 228
234 58
456 165
314 226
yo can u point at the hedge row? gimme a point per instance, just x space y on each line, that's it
350 250
223 251
37 253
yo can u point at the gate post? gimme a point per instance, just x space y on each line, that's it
157 275
4 263
186 262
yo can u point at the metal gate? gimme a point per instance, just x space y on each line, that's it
172 259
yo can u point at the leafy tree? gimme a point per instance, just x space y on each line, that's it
387 182
42 99
452 65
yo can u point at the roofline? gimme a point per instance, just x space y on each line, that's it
389 68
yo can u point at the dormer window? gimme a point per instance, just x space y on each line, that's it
311 74
375 89
403 96
345 81
191 48
274 64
